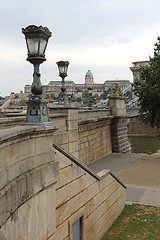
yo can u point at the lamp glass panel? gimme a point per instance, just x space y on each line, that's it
32 45
42 46
61 69
66 67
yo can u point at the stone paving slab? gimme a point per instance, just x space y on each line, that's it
145 172
139 172
115 162
146 196
133 193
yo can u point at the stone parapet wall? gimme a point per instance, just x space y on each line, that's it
28 173
96 200
66 137
89 114
94 139
120 142
44 189
10 122
86 134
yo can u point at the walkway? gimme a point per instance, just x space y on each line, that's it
139 172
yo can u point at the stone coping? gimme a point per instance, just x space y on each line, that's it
94 110
20 117
57 115
103 173
63 106
91 120
9 119
121 117
10 134
143 135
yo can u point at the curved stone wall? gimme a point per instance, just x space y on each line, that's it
28 174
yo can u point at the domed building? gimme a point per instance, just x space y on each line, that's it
89 80
54 87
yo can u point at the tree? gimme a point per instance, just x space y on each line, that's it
85 94
147 88
104 95
22 102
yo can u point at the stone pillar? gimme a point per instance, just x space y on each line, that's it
119 137
116 103
71 125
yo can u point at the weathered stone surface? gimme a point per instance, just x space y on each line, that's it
76 171
13 171
94 140
2 237
72 114
51 211
62 231
26 149
3 179
89 114
60 123
27 164
32 212
117 105
65 176
73 147
120 142
50 192
41 147
72 125
11 154
63 160
2 160
72 136
23 222
61 138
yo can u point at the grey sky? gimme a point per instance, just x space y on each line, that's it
105 36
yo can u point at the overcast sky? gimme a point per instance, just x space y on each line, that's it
105 36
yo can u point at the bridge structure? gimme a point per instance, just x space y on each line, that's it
46 187
130 106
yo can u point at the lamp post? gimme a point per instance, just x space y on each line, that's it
90 89
63 67
36 41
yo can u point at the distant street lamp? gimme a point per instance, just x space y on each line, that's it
36 40
90 89
63 67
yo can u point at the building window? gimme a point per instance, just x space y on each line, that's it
76 230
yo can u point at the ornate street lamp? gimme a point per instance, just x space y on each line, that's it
90 89
36 40
63 67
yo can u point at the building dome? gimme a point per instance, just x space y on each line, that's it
89 78
89 74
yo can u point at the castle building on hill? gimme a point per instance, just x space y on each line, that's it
137 67
54 87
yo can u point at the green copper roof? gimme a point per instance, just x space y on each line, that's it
113 81
89 74
59 81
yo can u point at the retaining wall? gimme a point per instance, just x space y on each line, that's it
94 139
44 190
